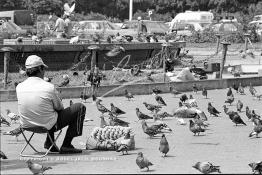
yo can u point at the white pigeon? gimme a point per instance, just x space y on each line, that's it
181 121
12 115
68 9
74 40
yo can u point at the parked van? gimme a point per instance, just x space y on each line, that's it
203 18
23 18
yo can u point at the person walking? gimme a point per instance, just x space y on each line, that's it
68 26
39 105
60 26
141 28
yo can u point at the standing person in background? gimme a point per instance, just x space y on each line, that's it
141 28
60 26
68 26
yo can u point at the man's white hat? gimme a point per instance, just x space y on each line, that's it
34 61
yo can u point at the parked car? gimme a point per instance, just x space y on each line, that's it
257 25
226 27
91 27
153 27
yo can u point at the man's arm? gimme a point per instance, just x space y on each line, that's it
58 105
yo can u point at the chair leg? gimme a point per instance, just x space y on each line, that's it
28 143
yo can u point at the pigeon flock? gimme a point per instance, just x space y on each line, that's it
151 116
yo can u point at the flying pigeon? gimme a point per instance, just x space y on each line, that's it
36 168
142 116
195 128
123 148
100 107
115 110
14 117
142 162
206 167
174 91
230 99
65 81
2 155
256 167
128 95
164 146
204 92
115 51
151 107
68 10
239 105
74 40
212 110
160 100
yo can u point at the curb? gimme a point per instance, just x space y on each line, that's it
143 89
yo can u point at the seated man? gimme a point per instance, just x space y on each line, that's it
40 105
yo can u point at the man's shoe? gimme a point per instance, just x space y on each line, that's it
69 150
53 149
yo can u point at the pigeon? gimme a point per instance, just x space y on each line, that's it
164 146
115 110
192 102
75 74
195 89
256 167
19 40
128 95
174 91
36 168
256 130
206 167
68 10
142 162
236 119
259 96
151 130
71 103
113 121
204 92
181 121
65 81
84 97
14 117
161 127
123 148
195 128
4 121
252 90
160 100
2 155
156 90
241 89
115 51
161 116
198 121
248 113
74 40
142 116
103 123
100 107
229 92
212 110
239 105
152 107
230 99
255 118
235 87
183 98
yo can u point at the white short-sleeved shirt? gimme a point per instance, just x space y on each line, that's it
38 103
60 25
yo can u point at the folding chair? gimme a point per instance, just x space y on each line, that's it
38 130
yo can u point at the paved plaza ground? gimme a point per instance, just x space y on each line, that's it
224 144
